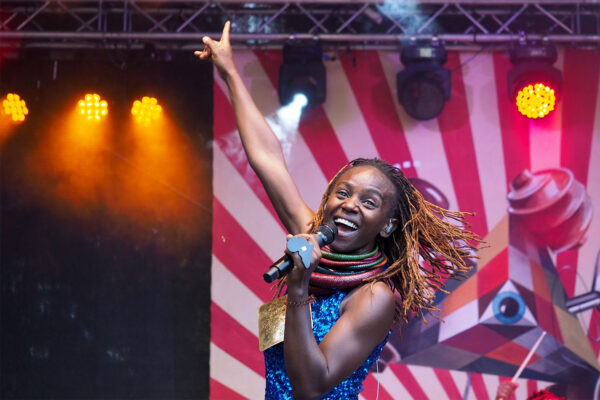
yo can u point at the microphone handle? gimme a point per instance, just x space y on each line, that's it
280 268
285 264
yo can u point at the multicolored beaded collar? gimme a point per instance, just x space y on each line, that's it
345 271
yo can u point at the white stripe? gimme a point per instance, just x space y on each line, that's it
304 169
545 135
235 375
345 115
243 306
429 382
460 379
491 383
480 90
239 199
423 137
589 251
393 385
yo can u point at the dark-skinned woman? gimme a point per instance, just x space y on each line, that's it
342 299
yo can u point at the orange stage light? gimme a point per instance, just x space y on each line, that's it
536 100
93 107
146 110
14 107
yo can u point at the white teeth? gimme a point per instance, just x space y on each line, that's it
344 221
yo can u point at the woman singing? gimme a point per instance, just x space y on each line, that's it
389 258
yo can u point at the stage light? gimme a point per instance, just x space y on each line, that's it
423 85
536 101
146 110
302 72
14 107
93 107
534 84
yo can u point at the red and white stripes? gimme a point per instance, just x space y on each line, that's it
471 152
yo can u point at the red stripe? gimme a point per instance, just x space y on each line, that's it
372 93
579 99
407 378
314 125
448 384
223 116
239 252
514 126
531 387
219 391
457 137
580 81
235 339
370 389
479 388
227 138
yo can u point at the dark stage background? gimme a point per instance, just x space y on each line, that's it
105 248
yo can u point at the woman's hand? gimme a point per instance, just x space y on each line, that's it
219 52
299 276
505 390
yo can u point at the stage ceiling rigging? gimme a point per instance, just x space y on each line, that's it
180 25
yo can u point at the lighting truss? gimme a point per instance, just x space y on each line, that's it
180 25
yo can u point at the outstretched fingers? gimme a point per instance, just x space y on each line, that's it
225 35
211 46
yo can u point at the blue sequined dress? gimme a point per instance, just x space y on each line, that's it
325 313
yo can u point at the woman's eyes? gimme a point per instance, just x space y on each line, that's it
343 194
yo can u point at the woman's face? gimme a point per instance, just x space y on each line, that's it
360 205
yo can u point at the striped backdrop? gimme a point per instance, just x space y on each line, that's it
470 152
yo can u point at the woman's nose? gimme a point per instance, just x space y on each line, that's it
350 204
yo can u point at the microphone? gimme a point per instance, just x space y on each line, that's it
325 234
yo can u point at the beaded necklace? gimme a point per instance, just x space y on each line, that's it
345 271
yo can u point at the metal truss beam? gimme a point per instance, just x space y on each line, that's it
337 24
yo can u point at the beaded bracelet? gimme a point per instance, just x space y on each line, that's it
308 300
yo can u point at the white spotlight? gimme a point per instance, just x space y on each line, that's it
290 115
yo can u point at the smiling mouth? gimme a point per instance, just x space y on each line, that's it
345 222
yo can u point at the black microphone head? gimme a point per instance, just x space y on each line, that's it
326 233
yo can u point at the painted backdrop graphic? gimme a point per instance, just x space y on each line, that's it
533 185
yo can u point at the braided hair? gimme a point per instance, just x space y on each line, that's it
437 236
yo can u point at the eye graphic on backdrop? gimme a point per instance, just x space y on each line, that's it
508 307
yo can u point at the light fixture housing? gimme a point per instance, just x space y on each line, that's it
534 85
302 72
423 85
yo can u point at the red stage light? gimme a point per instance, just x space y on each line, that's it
534 84
536 100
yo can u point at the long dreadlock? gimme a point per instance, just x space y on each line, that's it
425 231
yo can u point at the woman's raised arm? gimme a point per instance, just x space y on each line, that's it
262 147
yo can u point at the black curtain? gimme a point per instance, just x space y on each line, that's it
95 302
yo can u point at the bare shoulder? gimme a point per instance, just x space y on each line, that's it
374 292
371 304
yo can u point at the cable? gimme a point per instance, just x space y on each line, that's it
377 366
